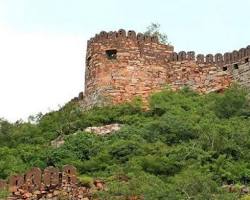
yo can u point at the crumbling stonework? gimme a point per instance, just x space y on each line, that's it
122 65
49 185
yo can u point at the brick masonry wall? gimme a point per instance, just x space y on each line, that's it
203 78
242 74
122 65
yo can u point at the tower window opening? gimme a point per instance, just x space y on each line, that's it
88 61
111 54
236 66
224 68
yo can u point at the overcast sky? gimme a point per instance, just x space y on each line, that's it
43 42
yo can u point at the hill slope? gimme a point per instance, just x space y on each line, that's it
186 146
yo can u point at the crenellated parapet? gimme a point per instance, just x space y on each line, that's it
219 60
122 34
50 183
35 179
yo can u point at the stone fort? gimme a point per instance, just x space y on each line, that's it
121 65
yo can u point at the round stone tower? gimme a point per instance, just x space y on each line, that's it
121 65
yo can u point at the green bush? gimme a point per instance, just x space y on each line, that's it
231 103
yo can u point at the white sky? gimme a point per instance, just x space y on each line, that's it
42 42
38 71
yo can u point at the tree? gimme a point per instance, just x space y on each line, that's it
154 30
233 102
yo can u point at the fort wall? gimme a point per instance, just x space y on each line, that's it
35 179
122 65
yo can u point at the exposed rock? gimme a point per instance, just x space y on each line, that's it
99 184
103 130
242 190
59 141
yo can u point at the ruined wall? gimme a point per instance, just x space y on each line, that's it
122 65
50 184
37 185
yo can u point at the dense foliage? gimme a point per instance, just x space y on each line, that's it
186 146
